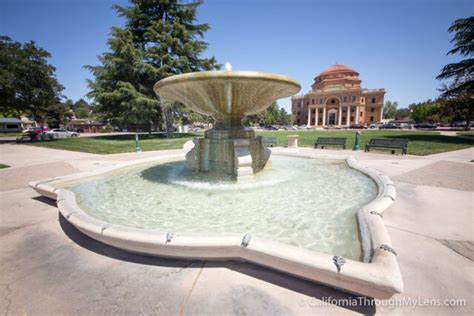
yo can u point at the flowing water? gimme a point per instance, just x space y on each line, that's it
310 203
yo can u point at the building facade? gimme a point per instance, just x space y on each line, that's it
337 99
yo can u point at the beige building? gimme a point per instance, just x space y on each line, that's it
337 99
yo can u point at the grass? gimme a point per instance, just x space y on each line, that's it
468 133
10 134
113 144
3 166
421 143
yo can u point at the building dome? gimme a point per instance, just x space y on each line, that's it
336 75
338 68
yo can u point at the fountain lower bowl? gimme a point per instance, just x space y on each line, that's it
377 277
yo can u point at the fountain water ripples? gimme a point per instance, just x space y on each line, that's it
312 209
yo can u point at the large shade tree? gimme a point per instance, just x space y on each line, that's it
28 83
160 38
457 94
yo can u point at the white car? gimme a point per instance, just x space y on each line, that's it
61 133
375 125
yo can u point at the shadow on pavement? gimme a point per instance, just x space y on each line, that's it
315 292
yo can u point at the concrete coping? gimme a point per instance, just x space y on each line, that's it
377 276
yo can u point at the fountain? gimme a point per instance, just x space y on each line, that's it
311 215
228 96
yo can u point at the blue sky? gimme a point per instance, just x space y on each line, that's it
396 45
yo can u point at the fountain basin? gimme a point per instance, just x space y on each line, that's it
227 95
377 275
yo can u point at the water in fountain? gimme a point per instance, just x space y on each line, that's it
310 203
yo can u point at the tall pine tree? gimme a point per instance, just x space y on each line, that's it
118 87
160 38
458 94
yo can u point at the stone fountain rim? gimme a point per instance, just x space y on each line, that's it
224 75
378 276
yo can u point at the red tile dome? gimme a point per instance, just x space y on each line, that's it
336 74
338 68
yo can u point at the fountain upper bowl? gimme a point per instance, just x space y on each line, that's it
226 93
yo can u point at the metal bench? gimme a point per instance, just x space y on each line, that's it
269 141
334 141
391 143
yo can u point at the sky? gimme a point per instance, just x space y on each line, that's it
397 45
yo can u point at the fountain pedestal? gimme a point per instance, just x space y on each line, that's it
232 152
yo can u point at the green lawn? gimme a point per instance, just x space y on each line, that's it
421 143
112 144
468 133
10 134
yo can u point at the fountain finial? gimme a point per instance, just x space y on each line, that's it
228 66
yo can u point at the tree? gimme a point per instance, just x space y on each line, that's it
402 113
118 87
458 93
271 116
284 118
390 109
160 39
28 84
425 111
81 109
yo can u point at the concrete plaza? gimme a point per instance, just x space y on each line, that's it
49 268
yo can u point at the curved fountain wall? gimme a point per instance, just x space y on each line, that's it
378 276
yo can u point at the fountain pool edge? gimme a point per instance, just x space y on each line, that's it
378 276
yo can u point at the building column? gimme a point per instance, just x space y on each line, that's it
381 114
324 116
317 118
340 116
348 116
309 116
357 115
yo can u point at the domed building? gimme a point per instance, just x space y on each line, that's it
337 99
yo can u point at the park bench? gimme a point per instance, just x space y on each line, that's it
269 141
334 141
391 143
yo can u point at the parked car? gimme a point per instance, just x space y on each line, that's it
289 128
375 125
425 125
390 126
357 126
271 128
61 133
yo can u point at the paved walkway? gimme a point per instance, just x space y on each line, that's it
49 268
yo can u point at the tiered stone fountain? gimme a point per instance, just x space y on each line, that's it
228 96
